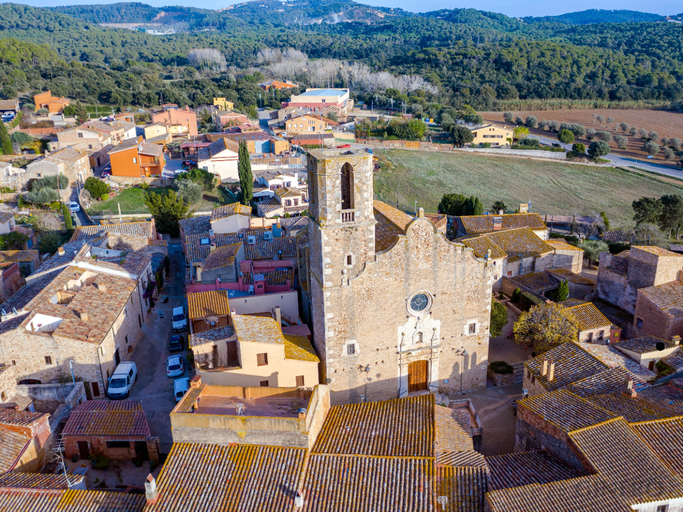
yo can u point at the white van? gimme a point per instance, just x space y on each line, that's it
122 381
179 319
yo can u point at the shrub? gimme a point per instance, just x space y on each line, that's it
58 181
526 300
42 112
499 317
189 191
663 368
501 368
105 197
565 136
556 235
68 222
99 462
617 247
578 148
43 196
516 295
144 185
571 239
486 145
96 187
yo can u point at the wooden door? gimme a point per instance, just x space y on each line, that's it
83 449
232 353
651 366
418 376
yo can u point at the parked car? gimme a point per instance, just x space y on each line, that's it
74 206
106 173
178 172
188 164
179 319
176 343
180 387
344 146
174 366
122 380
368 150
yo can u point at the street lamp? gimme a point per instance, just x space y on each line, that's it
71 365
462 369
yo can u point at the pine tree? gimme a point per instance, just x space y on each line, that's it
245 175
5 141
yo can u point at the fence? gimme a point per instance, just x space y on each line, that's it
517 152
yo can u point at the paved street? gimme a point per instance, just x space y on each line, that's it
153 388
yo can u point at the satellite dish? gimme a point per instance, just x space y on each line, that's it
659 346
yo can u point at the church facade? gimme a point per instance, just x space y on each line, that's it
397 308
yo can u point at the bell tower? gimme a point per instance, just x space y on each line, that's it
342 235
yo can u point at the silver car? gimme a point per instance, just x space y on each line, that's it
175 366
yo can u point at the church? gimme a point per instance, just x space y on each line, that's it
396 307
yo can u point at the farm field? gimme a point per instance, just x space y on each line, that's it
552 187
665 123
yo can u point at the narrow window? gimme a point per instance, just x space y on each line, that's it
639 323
347 187
262 359
351 349
48 360
14 363
473 328
663 508
95 389
299 381
419 337
126 339
264 383
135 160
349 259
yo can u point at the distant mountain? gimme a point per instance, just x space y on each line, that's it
473 17
133 12
592 16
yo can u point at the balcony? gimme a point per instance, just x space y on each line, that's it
348 215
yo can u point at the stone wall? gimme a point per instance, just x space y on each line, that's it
47 397
655 321
8 384
553 155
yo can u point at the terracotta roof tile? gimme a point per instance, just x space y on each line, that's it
565 410
464 487
19 418
572 363
229 210
107 418
589 317
475 224
631 409
211 336
612 358
257 329
211 303
141 228
526 468
390 223
38 480
195 225
12 445
38 500
222 256
299 347
515 243
659 251
665 438
449 435
277 277
18 256
537 281
668 297
561 245
643 345
607 381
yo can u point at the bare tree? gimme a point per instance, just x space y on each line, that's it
207 58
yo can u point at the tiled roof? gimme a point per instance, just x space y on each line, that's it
299 347
537 281
107 418
229 210
611 357
276 277
36 500
222 256
572 363
211 303
195 225
589 317
257 329
211 336
659 251
572 302
620 235
481 245
141 228
561 245
12 445
525 468
6 217
515 243
607 381
475 224
666 398
668 297
38 480
71 249
401 427
268 206
267 249
448 434
390 223
619 263
642 345
439 220
626 463
67 155
18 256
631 409
674 361
237 478
583 494
19 418
565 410
151 149
288 192
334 483
294 223
665 438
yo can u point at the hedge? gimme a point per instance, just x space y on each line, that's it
501 368
526 300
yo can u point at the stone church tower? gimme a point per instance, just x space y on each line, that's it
396 307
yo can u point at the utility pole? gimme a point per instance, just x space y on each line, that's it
120 218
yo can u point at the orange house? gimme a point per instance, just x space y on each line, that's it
135 158
180 121
53 104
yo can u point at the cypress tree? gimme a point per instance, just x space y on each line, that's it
5 141
245 175
478 207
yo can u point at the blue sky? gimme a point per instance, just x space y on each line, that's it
510 8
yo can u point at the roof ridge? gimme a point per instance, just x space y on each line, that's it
578 430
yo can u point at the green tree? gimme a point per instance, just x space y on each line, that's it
57 182
244 172
497 206
592 250
520 132
562 292
21 138
671 218
598 148
565 136
206 179
189 191
49 242
81 113
68 222
167 210
461 135
452 204
252 112
647 210
96 187
651 147
578 148
42 196
5 141
546 326
499 317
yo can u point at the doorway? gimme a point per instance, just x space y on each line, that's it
141 452
232 354
83 450
418 376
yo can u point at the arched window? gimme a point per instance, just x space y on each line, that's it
418 338
347 187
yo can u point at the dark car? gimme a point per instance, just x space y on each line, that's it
176 343
188 164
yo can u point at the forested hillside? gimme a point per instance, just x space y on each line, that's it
467 56
592 16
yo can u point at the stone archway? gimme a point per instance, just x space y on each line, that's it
418 376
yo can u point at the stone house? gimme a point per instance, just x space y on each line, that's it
221 265
284 200
10 280
82 138
620 276
397 308
90 312
24 436
28 260
72 163
7 222
479 224
253 351
208 310
658 310
113 429
118 129
594 327
649 350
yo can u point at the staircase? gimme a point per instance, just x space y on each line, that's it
519 371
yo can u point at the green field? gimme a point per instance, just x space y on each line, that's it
552 187
132 200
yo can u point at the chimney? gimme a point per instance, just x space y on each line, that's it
199 273
551 372
61 251
544 370
212 247
497 223
84 316
628 388
278 316
298 500
101 287
676 340
501 212
151 490
196 381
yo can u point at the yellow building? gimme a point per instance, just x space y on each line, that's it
497 136
308 123
223 104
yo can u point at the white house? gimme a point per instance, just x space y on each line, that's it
220 158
